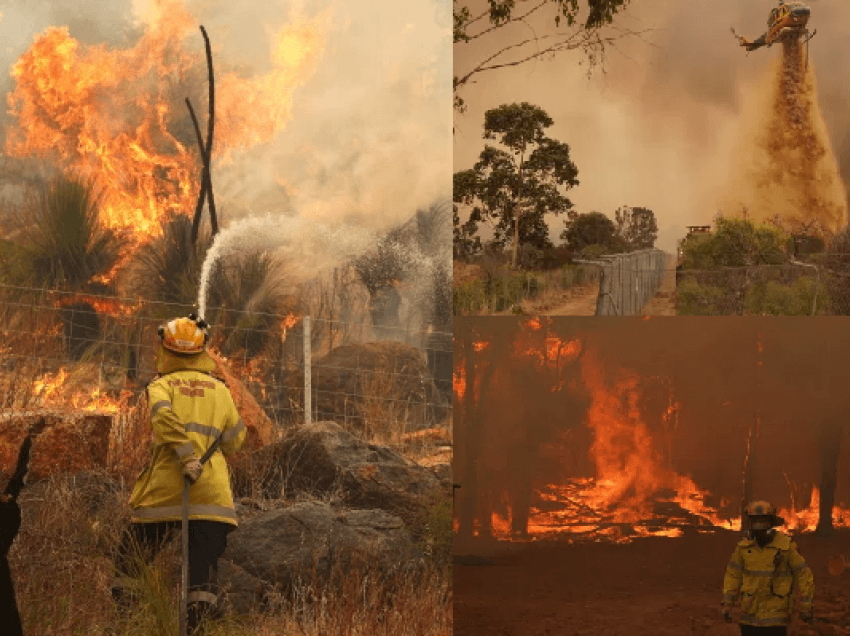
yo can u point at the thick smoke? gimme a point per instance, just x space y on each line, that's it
666 123
784 165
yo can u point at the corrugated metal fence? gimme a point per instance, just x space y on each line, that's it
629 281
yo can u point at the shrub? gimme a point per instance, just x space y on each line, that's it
693 299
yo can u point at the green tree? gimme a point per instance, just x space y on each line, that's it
489 25
734 243
465 244
515 189
593 229
637 226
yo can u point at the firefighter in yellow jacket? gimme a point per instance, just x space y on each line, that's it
764 572
189 410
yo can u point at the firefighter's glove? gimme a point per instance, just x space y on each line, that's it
727 613
10 523
192 470
808 615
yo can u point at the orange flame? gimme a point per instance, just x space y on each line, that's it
108 114
51 391
459 383
286 324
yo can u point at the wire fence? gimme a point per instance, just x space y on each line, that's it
497 294
629 280
98 353
795 288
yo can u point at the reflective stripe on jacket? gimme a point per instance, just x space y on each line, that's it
765 578
188 410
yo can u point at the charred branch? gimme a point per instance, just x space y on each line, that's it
206 149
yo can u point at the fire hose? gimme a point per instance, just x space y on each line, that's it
184 568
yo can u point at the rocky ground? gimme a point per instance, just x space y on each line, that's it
654 587
319 508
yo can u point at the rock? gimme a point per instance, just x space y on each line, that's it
286 545
261 430
63 442
243 593
322 457
380 386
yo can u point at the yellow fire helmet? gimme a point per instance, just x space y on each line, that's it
766 511
185 335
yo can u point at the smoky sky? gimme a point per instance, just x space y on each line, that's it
658 128
368 140
785 379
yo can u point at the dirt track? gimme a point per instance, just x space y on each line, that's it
664 301
655 586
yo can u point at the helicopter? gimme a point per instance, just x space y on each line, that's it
788 20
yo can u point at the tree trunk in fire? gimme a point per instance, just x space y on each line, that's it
469 492
748 481
829 446
521 502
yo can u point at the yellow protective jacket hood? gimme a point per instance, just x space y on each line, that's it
765 578
189 410
169 362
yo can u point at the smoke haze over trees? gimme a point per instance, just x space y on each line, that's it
662 126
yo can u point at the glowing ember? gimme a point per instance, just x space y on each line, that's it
534 324
286 324
113 114
459 382
480 345
102 305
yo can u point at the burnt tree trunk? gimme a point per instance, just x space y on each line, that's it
829 444
521 501
469 492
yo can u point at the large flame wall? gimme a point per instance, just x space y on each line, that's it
650 406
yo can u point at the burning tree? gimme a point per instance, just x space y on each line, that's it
678 437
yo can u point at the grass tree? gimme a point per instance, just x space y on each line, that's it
63 243
248 294
168 269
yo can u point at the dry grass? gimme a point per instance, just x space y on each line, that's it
62 560
62 568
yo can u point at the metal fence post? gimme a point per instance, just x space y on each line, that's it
308 363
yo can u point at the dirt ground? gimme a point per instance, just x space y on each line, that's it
653 586
664 301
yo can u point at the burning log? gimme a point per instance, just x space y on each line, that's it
206 151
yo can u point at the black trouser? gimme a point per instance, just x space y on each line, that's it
10 523
9 616
756 630
207 542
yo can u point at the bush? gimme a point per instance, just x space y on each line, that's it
530 257
837 261
734 243
805 244
693 299
774 299
594 251
557 257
